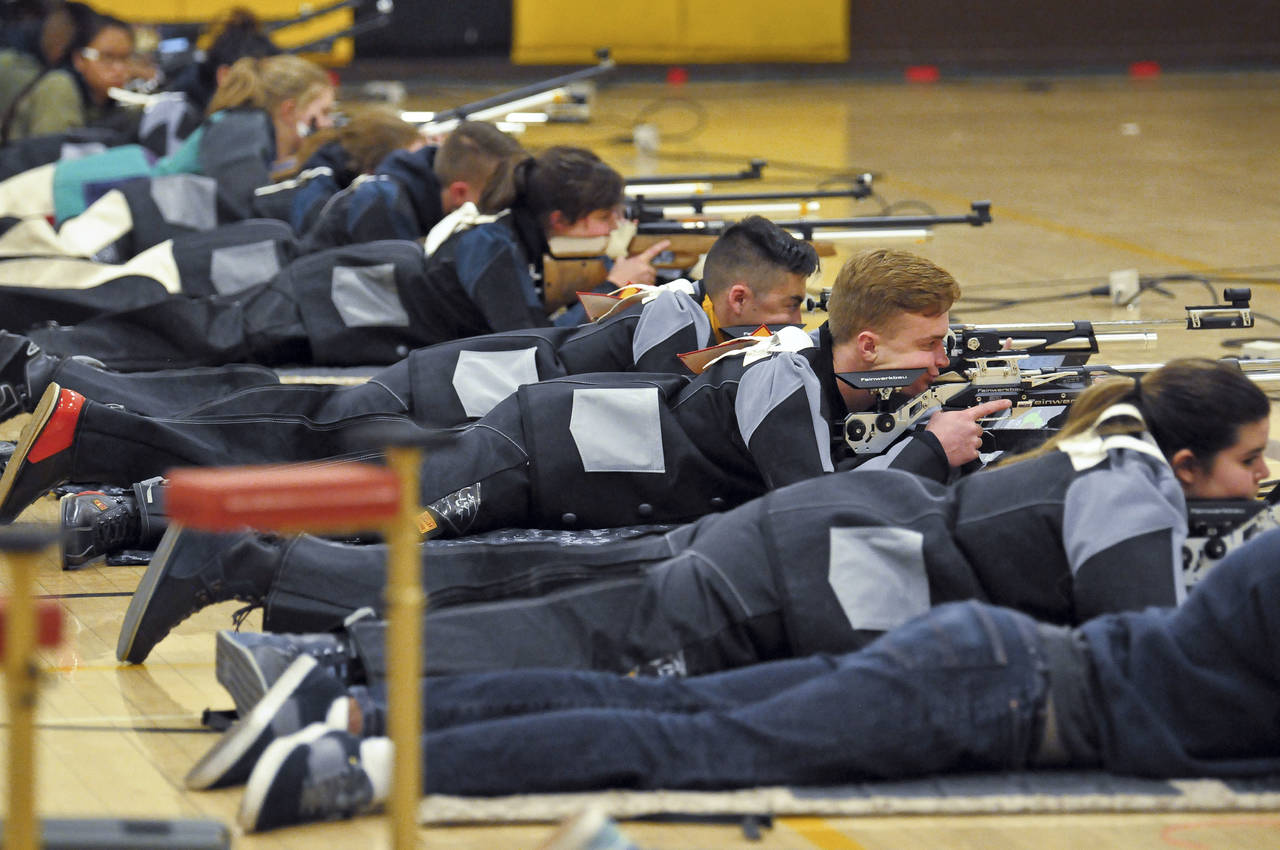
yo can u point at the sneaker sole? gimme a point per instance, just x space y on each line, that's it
237 670
264 772
39 418
141 600
242 736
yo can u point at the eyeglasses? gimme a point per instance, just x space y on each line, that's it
95 55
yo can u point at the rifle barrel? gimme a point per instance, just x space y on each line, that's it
808 227
469 109
753 171
1147 340
642 200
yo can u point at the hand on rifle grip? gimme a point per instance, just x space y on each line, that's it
959 431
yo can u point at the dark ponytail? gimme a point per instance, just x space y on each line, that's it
506 186
573 181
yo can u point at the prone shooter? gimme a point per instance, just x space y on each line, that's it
1032 365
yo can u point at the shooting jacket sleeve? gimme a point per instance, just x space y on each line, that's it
918 452
1124 524
779 416
495 278
236 149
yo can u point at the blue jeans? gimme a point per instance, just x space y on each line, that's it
961 687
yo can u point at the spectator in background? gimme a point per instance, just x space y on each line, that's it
72 91
234 35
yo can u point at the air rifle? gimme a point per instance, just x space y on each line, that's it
987 363
581 265
1077 340
753 171
989 379
644 208
525 97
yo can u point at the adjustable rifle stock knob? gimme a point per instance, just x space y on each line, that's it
855 430
885 422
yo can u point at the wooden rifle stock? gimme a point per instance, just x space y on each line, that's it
579 265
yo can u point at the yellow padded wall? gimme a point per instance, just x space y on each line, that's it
686 31
202 12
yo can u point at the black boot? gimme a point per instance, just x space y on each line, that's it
450 516
25 371
96 523
192 570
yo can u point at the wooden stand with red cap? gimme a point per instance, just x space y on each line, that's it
340 497
26 628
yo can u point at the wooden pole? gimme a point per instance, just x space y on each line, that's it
22 827
405 603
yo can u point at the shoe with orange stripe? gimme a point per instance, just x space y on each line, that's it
42 459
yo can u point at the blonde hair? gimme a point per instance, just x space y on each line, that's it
368 136
268 82
874 287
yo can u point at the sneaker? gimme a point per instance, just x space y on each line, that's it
96 523
315 774
590 829
248 663
191 570
42 458
304 694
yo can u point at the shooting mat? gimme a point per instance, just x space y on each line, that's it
1039 792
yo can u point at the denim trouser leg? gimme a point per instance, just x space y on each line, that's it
472 698
961 687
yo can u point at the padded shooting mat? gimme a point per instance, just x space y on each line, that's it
1039 792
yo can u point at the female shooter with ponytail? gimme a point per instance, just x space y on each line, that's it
497 263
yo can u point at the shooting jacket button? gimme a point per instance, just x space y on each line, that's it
717 503
402 351
569 519
645 510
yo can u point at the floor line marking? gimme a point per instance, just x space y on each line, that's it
820 833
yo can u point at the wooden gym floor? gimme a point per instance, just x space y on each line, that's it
1086 175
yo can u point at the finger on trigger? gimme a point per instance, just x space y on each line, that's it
989 407
654 250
